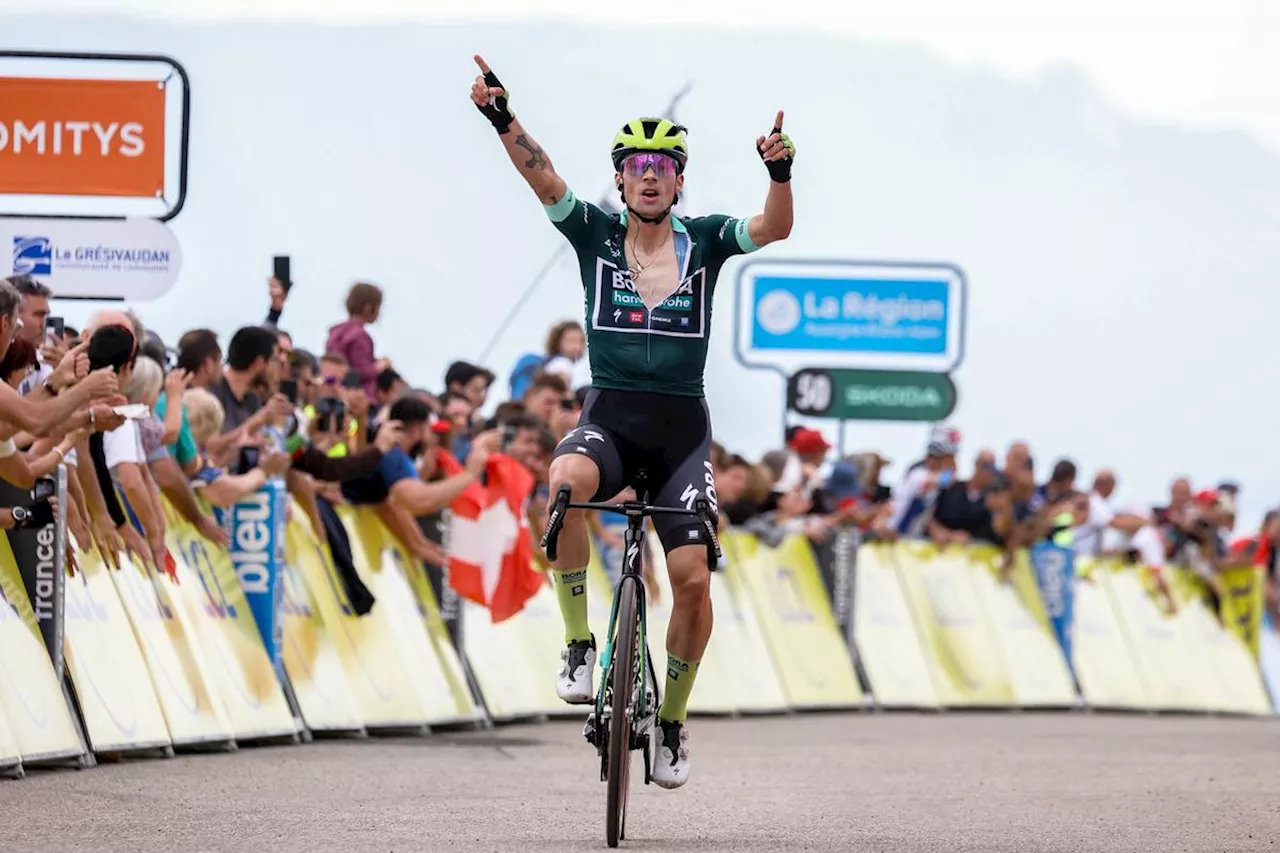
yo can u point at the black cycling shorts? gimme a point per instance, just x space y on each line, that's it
659 445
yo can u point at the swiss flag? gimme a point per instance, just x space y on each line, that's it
490 553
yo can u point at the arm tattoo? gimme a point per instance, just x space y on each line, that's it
537 159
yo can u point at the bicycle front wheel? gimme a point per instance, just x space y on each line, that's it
623 676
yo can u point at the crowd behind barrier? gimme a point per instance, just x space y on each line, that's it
281 546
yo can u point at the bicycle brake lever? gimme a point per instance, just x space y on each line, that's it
551 536
714 553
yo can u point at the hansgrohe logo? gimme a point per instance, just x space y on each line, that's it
672 303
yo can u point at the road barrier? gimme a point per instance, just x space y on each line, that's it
154 663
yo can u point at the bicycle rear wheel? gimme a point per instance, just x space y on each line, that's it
623 675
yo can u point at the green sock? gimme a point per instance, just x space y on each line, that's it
571 592
675 700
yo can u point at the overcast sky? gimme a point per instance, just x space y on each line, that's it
1211 64
1121 260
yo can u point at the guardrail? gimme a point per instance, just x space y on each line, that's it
154 663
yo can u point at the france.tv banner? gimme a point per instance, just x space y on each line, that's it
795 314
256 527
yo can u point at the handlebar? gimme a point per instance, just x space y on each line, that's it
633 510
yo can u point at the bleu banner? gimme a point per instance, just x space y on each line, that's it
255 527
1055 573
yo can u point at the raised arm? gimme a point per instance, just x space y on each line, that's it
533 164
778 153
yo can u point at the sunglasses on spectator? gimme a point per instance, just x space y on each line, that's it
662 165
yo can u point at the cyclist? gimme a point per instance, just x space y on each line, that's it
649 278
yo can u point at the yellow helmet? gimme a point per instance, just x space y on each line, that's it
650 134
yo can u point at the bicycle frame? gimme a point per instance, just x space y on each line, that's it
632 567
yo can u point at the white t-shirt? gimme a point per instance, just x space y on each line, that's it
913 502
123 444
1088 536
35 378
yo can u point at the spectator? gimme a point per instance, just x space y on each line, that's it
547 393
469 381
397 477
351 339
1092 535
566 344
251 359
1261 550
390 387
915 497
18 362
121 452
334 367
220 488
33 311
200 355
979 509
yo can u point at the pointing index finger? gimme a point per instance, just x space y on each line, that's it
777 122
484 66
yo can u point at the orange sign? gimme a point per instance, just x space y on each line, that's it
81 137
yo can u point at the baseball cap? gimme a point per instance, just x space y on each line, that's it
805 441
844 481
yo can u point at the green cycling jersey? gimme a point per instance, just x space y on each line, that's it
630 347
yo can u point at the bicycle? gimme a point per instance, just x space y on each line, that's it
626 716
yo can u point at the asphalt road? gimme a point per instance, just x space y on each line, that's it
862 782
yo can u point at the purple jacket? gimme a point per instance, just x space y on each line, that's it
353 342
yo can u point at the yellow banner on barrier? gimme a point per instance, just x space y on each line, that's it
1242 604
1155 640
192 710
382 567
1034 661
31 698
312 662
960 646
510 684
217 611
373 663
542 629
752 676
885 633
10 754
429 610
1234 683
450 698
1105 668
113 686
810 654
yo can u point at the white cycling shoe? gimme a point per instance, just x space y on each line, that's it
671 764
577 662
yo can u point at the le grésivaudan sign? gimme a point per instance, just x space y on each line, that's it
132 259
846 314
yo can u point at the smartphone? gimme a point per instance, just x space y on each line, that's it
248 459
352 380
280 269
46 487
54 327
289 388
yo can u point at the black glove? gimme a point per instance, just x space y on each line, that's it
497 111
779 170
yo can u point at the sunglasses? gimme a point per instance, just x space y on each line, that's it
662 165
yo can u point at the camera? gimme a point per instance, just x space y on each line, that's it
330 413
